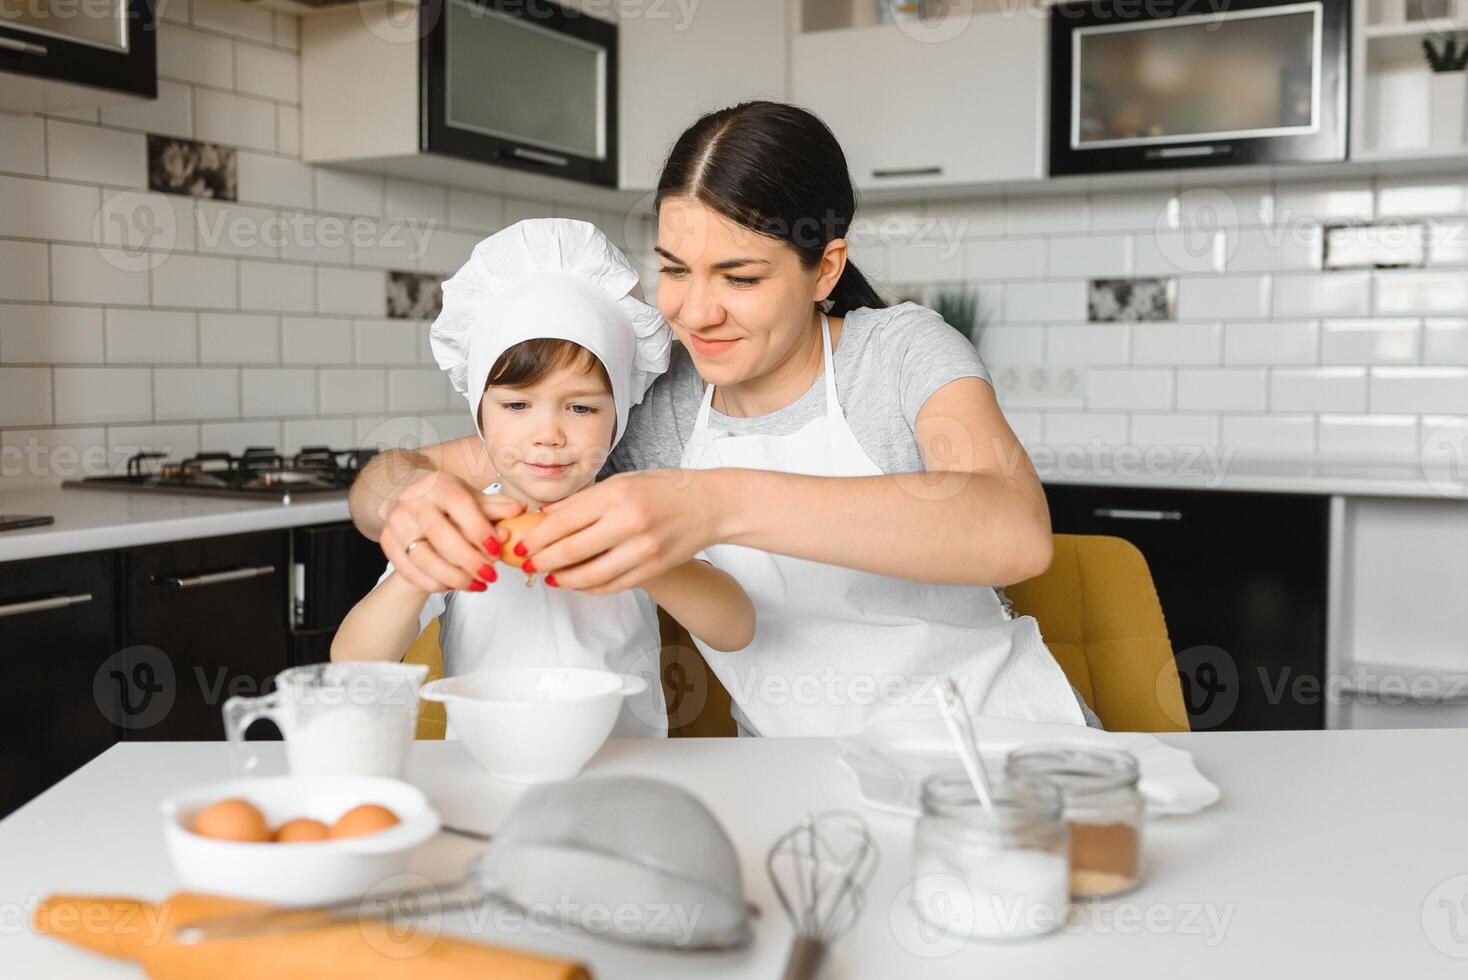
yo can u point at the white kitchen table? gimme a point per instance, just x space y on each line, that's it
1331 854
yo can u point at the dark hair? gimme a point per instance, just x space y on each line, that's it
531 361
777 170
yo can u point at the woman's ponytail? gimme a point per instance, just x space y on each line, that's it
853 292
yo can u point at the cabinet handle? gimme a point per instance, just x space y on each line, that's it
1122 514
215 578
907 172
535 156
41 605
22 47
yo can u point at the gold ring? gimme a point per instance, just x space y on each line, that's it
414 543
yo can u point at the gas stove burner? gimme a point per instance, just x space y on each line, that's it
259 472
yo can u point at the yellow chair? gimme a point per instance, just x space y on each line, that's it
1098 611
432 720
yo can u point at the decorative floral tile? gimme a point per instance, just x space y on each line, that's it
1117 300
180 166
414 295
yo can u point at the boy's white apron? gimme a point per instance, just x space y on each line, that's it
834 648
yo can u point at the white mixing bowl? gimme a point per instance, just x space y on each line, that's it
533 724
305 873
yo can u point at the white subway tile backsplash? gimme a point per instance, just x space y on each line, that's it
267 72
1175 253
1091 256
1176 343
1400 292
196 393
353 390
1174 431
1148 210
1044 215
1269 435
354 292
196 282
236 437
1202 207
274 180
387 341
1222 297
274 392
482 212
1002 259
277 287
1443 438
417 390
103 394
236 338
1143 388
22 144
440 251
1325 389
924 261
50 335
24 271
1084 430
53 454
1355 436
1029 302
194 56
1327 294
1274 248
236 229
1442 390
172 113
1318 202
234 120
999 344
143 221
1445 342
151 337
1271 342
319 237
287 31
176 441
85 274
288 130
409 199
316 432
1222 389
1086 343
311 340
346 192
25 396
1416 196
45 209
1370 342
983 218
246 20
385 244
94 155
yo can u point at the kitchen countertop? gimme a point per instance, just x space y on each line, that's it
1335 853
1183 471
97 520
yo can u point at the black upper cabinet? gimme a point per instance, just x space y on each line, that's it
525 84
1242 582
203 620
59 702
54 52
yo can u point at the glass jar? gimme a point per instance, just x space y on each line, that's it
1104 809
997 874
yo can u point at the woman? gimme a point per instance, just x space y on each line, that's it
845 462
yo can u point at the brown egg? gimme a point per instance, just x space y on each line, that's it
359 821
518 526
302 830
233 819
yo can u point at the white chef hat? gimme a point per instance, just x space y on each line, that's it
549 278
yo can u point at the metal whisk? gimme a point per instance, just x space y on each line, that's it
820 869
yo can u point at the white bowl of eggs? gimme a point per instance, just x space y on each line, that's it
295 840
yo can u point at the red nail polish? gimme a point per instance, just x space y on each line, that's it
520 549
529 567
551 581
492 545
486 572
477 586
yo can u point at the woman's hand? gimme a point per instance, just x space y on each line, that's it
619 533
453 520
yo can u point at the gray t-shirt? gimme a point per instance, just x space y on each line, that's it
888 364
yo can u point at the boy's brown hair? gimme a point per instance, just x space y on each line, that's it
531 361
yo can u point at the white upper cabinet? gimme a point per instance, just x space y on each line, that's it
680 59
952 102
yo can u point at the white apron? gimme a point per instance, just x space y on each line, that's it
836 649
509 625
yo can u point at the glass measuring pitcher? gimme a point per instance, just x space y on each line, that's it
338 719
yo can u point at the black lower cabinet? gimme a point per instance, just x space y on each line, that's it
203 620
1242 582
58 700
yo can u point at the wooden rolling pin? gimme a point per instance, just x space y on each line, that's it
128 928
